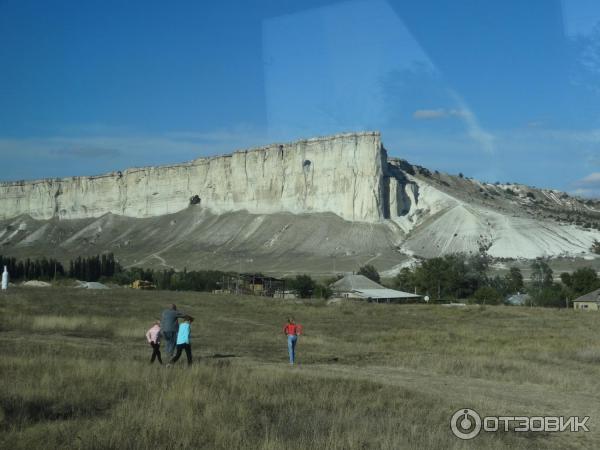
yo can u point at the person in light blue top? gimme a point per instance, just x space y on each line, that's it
183 340
169 326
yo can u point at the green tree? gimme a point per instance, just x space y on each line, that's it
432 277
476 267
487 295
541 274
323 291
370 272
552 295
584 280
405 280
514 280
566 279
331 280
304 286
453 276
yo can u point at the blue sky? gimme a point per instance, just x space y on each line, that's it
501 91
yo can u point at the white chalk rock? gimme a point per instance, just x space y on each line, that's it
342 174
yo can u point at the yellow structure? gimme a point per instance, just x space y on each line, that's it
588 302
589 306
142 284
256 288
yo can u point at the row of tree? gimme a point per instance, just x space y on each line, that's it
545 291
462 276
105 267
208 280
87 269
456 276
195 280
93 268
305 287
32 269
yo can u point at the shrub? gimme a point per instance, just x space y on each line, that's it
550 296
370 272
323 291
584 280
514 280
595 247
541 274
487 295
304 286
424 171
406 166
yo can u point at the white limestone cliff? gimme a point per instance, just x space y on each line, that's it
348 175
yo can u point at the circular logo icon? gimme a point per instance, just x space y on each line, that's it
465 423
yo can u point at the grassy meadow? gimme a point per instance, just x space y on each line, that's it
75 373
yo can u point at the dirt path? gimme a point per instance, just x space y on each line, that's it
373 258
488 397
535 399
163 261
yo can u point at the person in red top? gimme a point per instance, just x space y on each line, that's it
292 331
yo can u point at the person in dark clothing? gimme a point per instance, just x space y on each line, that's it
169 326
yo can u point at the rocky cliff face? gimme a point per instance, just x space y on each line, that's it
357 206
342 174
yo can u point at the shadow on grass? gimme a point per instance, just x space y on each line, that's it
19 412
223 355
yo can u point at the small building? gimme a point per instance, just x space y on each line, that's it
285 294
250 284
142 284
518 299
589 301
259 284
361 287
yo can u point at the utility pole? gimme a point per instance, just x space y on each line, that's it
239 288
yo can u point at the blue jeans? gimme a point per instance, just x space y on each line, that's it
170 338
292 347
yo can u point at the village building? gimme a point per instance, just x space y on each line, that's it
361 287
589 301
519 299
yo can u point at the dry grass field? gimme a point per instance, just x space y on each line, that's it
75 374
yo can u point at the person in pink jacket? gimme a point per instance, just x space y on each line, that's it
153 337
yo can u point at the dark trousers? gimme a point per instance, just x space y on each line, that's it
155 352
170 338
188 353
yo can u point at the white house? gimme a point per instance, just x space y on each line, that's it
359 286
